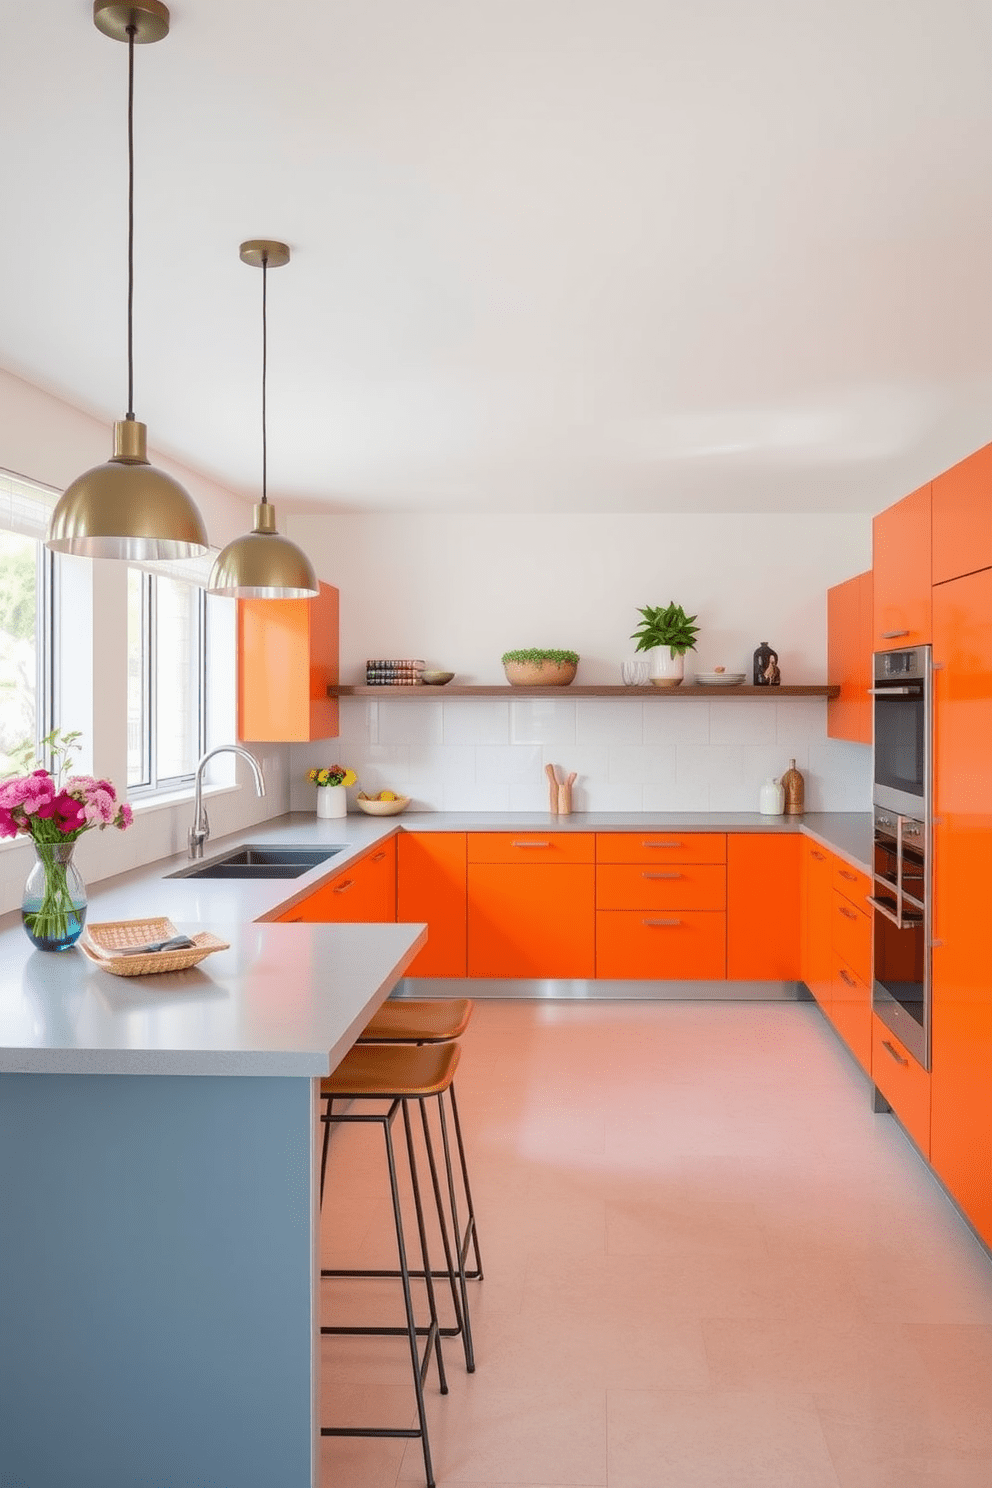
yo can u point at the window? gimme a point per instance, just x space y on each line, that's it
180 690
166 692
27 616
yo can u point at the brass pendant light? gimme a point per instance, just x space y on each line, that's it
126 508
263 565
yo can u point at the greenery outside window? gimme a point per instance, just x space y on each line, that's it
28 616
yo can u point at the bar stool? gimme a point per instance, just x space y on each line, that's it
411 1020
397 1076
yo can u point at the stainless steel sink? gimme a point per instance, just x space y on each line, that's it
260 861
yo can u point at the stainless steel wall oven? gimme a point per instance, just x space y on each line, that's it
902 846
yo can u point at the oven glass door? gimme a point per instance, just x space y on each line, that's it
900 740
901 983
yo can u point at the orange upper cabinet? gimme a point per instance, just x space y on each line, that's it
901 565
531 904
849 648
962 518
961 1032
287 659
764 879
431 887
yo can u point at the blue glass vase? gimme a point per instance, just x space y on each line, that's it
53 906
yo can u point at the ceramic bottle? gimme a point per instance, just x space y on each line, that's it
771 801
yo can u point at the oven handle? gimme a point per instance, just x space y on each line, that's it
911 923
895 691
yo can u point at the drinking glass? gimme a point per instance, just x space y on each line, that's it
634 673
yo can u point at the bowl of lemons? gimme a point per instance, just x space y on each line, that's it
386 803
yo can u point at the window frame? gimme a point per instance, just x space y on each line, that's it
25 508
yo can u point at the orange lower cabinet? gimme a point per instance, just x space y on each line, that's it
531 919
850 1013
818 964
764 877
851 936
364 892
904 1083
431 888
677 886
661 847
677 945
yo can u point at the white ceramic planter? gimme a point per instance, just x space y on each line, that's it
666 670
332 801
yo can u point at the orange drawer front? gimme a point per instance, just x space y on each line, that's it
531 847
850 1013
852 937
655 847
685 946
853 884
904 1083
661 886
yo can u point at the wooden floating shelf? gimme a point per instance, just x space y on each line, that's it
686 689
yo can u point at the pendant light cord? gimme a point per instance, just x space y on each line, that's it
265 271
130 220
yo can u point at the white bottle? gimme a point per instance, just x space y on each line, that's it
772 799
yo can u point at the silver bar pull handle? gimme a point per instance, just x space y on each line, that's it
655 924
349 883
893 635
660 875
891 1049
531 844
888 692
661 844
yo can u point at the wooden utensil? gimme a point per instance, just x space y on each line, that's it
565 795
549 770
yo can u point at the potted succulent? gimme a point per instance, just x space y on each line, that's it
671 633
539 668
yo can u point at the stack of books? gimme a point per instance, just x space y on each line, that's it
394 673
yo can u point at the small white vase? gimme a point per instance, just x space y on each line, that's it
332 800
666 670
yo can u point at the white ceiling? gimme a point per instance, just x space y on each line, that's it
548 255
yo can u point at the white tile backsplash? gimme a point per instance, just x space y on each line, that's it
629 754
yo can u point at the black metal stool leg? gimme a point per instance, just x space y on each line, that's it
411 1330
471 1228
456 1280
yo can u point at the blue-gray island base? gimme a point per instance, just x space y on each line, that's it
158 1231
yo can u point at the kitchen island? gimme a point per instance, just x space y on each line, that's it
158 1209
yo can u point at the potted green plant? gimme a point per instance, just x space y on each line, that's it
539 668
671 633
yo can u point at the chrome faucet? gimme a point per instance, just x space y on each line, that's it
200 830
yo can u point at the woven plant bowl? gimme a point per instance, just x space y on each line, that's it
543 674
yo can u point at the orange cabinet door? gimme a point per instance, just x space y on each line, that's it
661 886
850 1012
962 518
364 892
851 936
661 847
764 876
431 888
849 648
531 919
531 847
678 945
287 659
818 967
901 573
961 1030
904 1083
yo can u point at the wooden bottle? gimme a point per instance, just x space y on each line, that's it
795 790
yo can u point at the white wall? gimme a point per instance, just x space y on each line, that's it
46 440
458 591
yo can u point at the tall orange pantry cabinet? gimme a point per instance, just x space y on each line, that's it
849 648
287 659
961 1028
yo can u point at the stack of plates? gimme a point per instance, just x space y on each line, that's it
719 679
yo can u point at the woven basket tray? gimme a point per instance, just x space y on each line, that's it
99 942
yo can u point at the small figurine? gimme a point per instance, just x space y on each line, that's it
766 672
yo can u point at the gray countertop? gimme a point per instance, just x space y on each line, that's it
285 999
